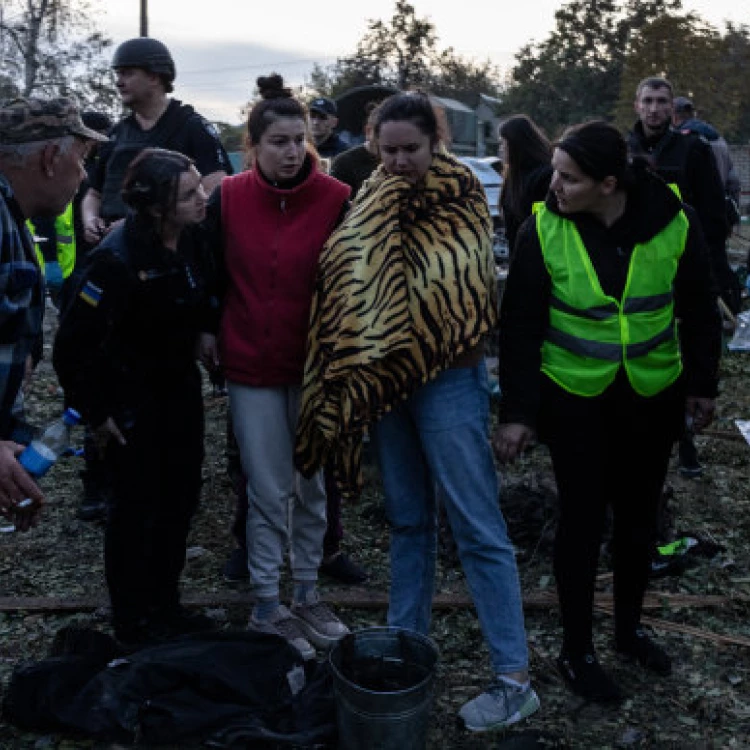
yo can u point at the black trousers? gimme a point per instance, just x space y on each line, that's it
612 449
156 487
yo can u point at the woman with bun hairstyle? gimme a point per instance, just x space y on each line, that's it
269 224
125 356
527 154
590 361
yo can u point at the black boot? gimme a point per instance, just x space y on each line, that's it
640 648
585 677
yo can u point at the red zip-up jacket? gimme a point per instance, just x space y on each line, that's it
272 240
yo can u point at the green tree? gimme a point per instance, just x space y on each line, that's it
403 53
735 65
53 48
575 73
683 49
700 63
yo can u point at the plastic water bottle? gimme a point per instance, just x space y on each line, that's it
54 441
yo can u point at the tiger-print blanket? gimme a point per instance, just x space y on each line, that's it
405 285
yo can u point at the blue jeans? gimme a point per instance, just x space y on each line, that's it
437 442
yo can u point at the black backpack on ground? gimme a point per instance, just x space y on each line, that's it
227 689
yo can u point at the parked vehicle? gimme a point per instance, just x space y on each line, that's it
492 183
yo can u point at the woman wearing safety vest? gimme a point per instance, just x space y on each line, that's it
590 362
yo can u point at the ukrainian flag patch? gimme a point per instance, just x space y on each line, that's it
91 294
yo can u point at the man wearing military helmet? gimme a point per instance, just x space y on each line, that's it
145 74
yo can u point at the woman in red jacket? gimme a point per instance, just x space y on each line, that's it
273 220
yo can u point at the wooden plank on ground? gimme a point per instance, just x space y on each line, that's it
354 598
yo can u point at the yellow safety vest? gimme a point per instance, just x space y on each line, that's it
66 242
591 335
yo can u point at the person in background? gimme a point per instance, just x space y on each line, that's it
43 145
323 114
405 298
590 361
268 225
355 165
125 356
526 153
685 120
686 161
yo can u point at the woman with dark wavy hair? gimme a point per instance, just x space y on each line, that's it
125 356
526 153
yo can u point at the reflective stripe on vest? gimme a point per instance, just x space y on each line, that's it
37 250
591 335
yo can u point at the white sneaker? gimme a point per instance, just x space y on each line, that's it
285 624
319 624
499 706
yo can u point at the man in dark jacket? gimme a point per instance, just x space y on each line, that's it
323 121
685 160
145 72
42 147
685 120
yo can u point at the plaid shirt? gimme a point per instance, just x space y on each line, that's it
21 302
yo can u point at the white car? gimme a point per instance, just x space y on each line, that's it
491 181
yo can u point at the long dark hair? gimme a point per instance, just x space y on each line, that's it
527 149
276 101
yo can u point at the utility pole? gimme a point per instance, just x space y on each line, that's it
144 17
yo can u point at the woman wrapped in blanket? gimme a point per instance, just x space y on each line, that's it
406 295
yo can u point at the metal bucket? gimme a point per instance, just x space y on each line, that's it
383 680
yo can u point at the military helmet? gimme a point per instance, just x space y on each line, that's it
144 52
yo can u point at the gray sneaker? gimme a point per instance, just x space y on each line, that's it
319 624
499 706
285 624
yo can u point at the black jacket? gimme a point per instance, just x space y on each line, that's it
133 323
687 160
525 307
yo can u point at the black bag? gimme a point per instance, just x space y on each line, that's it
228 688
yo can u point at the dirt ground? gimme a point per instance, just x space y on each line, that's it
702 616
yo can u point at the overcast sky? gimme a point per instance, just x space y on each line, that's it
221 46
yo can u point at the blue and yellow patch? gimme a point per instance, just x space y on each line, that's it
91 294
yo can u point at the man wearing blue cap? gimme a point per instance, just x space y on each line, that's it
323 121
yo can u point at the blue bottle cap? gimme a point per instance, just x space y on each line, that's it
71 417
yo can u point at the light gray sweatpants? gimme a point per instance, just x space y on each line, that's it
283 506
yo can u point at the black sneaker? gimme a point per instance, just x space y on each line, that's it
643 650
343 569
586 678
235 568
688 465
181 621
